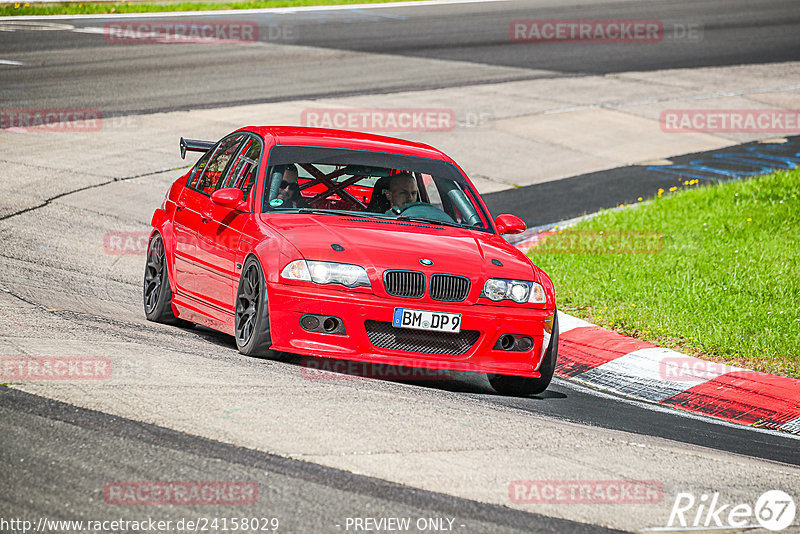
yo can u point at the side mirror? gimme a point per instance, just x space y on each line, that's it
230 197
510 224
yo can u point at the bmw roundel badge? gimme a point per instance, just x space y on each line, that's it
426 262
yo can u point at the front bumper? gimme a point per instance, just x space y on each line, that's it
288 303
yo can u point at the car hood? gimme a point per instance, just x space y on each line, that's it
380 244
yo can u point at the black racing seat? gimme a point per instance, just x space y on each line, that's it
378 203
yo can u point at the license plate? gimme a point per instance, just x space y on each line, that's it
427 320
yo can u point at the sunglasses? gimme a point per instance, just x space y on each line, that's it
291 185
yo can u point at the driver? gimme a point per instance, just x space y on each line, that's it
402 190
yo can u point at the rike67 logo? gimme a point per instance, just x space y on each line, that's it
774 510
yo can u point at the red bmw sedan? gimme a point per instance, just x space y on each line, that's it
347 245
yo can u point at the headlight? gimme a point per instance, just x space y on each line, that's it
495 289
519 291
325 272
320 272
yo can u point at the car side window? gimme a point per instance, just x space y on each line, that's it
197 171
214 171
245 169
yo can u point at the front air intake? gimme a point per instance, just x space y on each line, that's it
449 287
408 284
382 334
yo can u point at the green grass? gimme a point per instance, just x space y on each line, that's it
80 8
712 271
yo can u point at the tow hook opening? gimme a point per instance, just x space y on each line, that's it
325 324
514 342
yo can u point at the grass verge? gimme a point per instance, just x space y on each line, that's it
712 271
79 8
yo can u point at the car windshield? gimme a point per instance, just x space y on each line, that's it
370 184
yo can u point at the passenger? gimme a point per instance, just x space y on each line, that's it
402 190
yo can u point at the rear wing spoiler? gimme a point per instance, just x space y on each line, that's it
194 145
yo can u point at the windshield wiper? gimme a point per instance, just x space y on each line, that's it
429 221
340 213
369 215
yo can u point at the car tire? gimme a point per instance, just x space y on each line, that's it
252 312
523 386
157 295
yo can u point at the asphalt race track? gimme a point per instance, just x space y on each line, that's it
143 78
153 453
186 406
